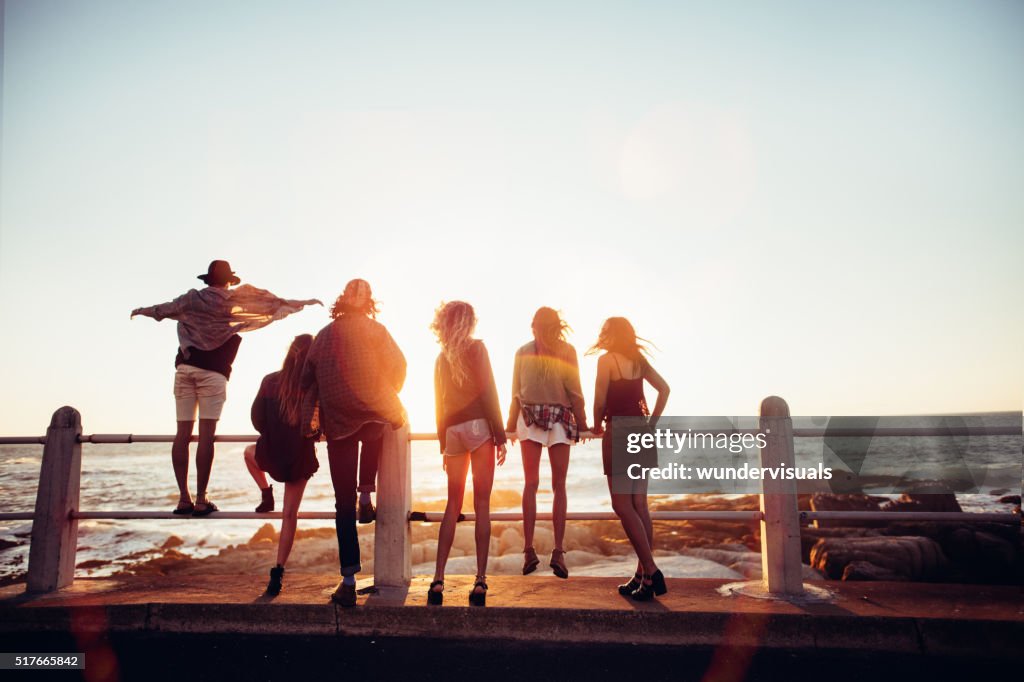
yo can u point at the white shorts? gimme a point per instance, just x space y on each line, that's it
202 388
466 437
555 436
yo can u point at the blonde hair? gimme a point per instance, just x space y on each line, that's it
453 325
357 298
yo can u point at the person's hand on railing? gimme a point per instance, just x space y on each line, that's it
502 450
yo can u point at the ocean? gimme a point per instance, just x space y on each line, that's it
139 477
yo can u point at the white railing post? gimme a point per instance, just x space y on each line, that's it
392 554
781 568
51 558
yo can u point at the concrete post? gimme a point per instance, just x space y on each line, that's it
392 555
51 558
781 568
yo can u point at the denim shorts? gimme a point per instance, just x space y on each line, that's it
466 437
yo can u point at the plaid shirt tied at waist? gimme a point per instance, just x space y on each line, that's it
546 416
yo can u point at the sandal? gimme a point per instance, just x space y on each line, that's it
627 589
531 562
478 598
208 508
184 510
435 597
557 564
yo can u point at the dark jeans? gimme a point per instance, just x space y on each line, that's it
343 457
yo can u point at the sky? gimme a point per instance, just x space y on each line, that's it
820 201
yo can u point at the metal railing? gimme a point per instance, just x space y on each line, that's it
56 515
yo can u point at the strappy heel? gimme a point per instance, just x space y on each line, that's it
435 597
658 583
650 586
478 598
530 560
558 566
627 589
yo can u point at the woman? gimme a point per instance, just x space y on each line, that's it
355 370
546 411
619 392
469 430
285 449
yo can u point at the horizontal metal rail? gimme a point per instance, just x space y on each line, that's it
881 432
433 516
901 517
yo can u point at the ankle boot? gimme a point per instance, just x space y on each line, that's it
267 505
276 575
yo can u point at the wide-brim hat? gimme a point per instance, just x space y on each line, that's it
219 273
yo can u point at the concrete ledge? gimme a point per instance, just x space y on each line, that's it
892 618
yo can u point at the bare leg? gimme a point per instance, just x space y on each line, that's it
559 456
293 491
483 480
456 467
204 457
622 504
531 475
254 471
639 499
179 460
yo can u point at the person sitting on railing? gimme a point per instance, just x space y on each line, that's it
209 321
619 392
547 410
285 449
469 430
355 370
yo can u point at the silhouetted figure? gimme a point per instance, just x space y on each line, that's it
355 370
209 323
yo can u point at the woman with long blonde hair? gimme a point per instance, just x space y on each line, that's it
470 434
285 448
619 392
547 411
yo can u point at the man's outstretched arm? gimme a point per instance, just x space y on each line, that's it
160 311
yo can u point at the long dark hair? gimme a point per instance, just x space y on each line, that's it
289 392
549 330
618 336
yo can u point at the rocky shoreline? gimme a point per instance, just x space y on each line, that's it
979 553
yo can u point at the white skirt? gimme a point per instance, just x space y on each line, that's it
555 436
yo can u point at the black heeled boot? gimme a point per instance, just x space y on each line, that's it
267 505
274 586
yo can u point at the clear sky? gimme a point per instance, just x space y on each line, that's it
808 199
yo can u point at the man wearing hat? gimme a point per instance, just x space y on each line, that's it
209 322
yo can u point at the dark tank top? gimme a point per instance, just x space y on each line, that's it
626 396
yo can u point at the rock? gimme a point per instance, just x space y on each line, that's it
865 570
1010 499
844 502
923 501
915 558
266 532
172 542
92 563
510 541
7 544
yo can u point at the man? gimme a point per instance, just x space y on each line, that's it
209 321
354 370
